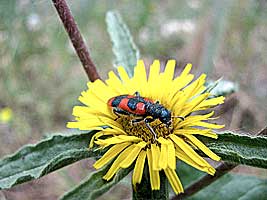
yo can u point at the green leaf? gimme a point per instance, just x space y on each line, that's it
94 186
229 186
240 149
232 187
125 50
34 161
187 173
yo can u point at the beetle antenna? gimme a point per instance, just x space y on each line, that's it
182 118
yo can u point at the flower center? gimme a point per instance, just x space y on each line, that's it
140 129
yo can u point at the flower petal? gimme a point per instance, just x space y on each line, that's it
139 78
155 155
118 139
195 131
174 180
110 154
206 167
163 158
207 125
132 155
153 80
202 147
187 149
209 103
154 174
116 164
139 168
193 119
171 155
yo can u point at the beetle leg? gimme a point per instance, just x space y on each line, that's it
136 120
147 121
137 94
118 112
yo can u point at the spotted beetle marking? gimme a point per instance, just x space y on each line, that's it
146 109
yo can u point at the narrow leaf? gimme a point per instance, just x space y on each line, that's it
34 161
240 149
125 50
94 186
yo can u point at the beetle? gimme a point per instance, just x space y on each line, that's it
144 109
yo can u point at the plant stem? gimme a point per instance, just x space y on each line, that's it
206 180
76 38
144 191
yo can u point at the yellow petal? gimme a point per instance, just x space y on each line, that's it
116 165
163 158
155 156
153 79
132 155
115 83
139 168
209 103
123 74
139 78
188 107
205 167
177 85
195 131
196 87
154 174
187 149
118 139
166 79
207 125
174 180
171 155
101 90
105 132
186 70
202 147
110 154
169 70
192 119
85 124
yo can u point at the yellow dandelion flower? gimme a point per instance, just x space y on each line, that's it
6 115
135 134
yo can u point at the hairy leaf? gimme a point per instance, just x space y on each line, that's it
125 50
94 186
230 186
240 149
34 161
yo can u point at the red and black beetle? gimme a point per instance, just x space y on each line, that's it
145 109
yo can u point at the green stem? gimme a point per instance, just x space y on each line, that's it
144 191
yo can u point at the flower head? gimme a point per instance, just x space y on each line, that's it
5 115
134 137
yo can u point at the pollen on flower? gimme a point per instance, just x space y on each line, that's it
139 129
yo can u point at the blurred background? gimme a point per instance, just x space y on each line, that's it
41 76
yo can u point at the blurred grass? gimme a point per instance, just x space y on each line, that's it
41 77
